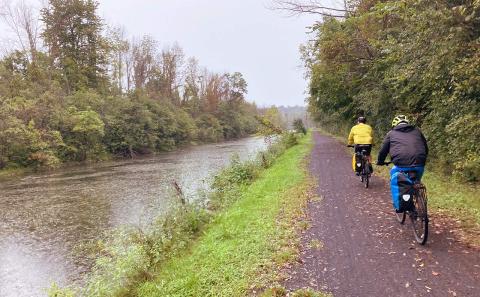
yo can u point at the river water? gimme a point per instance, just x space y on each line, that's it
44 218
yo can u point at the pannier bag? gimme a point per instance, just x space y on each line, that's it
402 191
357 163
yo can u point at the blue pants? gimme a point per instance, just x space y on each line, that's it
418 169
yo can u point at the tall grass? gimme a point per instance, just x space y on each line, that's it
238 253
128 257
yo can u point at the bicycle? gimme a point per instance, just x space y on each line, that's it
419 213
365 172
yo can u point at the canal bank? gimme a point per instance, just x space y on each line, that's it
228 248
240 251
46 218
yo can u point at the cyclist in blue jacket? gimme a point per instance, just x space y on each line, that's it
407 147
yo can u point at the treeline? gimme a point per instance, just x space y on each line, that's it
74 90
416 57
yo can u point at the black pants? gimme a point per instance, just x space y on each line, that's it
360 147
358 153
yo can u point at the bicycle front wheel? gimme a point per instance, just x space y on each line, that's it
419 215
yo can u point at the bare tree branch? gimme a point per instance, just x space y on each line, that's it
295 7
23 21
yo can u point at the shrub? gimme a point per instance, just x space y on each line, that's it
299 126
289 139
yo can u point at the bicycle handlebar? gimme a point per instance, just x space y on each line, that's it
353 145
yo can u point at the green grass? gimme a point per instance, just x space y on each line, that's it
244 242
450 195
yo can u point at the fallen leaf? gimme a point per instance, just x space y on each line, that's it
454 294
435 273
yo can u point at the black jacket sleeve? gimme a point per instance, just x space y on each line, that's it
382 154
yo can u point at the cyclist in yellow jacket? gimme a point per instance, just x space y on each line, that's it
361 135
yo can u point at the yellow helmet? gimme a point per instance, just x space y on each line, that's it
400 119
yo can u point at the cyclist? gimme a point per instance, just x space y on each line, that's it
362 136
407 147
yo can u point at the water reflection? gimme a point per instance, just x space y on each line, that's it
44 217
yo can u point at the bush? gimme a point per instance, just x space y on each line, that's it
289 139
299 126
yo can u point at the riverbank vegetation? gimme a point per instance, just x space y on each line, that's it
73 89
414 57
223 244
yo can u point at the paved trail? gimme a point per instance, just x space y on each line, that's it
366 252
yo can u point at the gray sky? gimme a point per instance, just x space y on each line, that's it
226 36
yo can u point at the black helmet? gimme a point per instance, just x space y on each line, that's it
362 120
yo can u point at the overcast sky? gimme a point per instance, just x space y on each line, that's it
226 36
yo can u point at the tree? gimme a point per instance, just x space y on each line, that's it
237 86
144 61
118 57
271 122
415 57
299 126
172 60
88 92
87 130
75 43
23 21
191 88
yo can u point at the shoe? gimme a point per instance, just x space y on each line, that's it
357 173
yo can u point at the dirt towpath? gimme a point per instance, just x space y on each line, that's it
365 251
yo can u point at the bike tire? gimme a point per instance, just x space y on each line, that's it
419 216
401 217
366 172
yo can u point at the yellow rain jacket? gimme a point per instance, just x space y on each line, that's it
361 134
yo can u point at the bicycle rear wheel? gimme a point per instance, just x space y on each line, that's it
366 173
419 215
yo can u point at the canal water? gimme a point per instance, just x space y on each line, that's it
45 218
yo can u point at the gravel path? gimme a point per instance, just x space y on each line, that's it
363 250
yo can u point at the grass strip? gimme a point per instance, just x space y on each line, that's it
231 256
